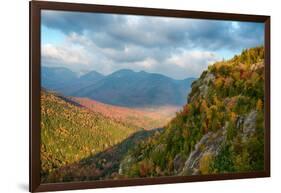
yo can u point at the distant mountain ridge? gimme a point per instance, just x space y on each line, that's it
55 78
123 88
65 81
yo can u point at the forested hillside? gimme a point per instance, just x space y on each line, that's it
219 130
70 132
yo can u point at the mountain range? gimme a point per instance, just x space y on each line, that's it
123 88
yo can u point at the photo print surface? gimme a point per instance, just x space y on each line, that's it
127 96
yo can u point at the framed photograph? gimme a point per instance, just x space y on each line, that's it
123 96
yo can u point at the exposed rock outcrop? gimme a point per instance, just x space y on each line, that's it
209 145
249 125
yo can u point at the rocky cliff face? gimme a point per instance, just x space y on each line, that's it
210 144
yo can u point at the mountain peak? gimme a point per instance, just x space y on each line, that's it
143 72
92 75
124 71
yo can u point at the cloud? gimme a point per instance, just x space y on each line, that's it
65 55
184 63
75 54
175 47
112 30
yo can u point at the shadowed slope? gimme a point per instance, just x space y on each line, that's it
102 165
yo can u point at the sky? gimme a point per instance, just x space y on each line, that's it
175 47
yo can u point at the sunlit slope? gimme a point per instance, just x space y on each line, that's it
70 132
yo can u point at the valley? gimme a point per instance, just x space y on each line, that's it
137 124
83 139
141 118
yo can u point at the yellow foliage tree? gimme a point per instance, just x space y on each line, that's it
259 105
233 117
219 82
204 163
204 106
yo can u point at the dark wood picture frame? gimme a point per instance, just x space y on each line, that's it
34 100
